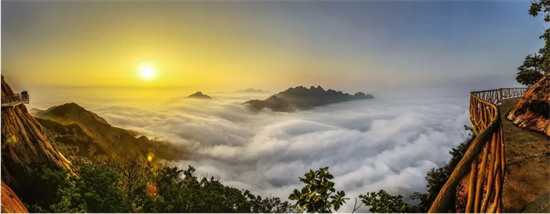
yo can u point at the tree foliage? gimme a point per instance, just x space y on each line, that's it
542 8
117 188
382 202
536 65
531 70
319 194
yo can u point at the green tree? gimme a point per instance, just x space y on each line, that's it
69 200
536 65
181 191
382 202
126 188
100 189
531 70
96 189
542 8
319 194
45 183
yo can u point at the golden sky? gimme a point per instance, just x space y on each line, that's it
270 45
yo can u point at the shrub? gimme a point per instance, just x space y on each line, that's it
319 194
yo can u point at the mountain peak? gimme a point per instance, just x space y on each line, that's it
71 106
73 111
301 97
199 95
251 90
363 95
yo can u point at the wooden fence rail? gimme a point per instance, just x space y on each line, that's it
476 183
16 99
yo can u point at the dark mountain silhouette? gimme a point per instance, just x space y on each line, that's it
199 95
251 90
302 98
24 145
274 103
83 135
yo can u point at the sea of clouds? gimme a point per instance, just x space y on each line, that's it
389 142
384 143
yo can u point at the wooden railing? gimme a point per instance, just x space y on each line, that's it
475 185
15 100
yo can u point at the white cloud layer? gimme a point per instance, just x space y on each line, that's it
384 143
369 145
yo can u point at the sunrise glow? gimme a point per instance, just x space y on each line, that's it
147 72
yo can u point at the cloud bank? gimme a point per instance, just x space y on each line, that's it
369 145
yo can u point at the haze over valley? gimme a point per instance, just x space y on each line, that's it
371 144
256 94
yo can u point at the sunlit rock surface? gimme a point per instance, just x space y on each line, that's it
24 144
532 111
10 202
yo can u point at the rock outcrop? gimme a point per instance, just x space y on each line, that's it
533 109
302 98
24 144
10 202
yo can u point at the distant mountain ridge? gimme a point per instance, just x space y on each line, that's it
302 98
199 95
82 134
251 90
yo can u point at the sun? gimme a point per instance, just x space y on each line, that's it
147 73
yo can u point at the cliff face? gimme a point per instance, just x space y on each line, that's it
533 109
10 202
24 144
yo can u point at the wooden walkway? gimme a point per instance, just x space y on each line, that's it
527 179
15 100
13 104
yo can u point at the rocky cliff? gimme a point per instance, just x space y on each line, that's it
24 144
533 109
10 202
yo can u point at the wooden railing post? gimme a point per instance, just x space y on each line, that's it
484 159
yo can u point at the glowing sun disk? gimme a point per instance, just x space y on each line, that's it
147 73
